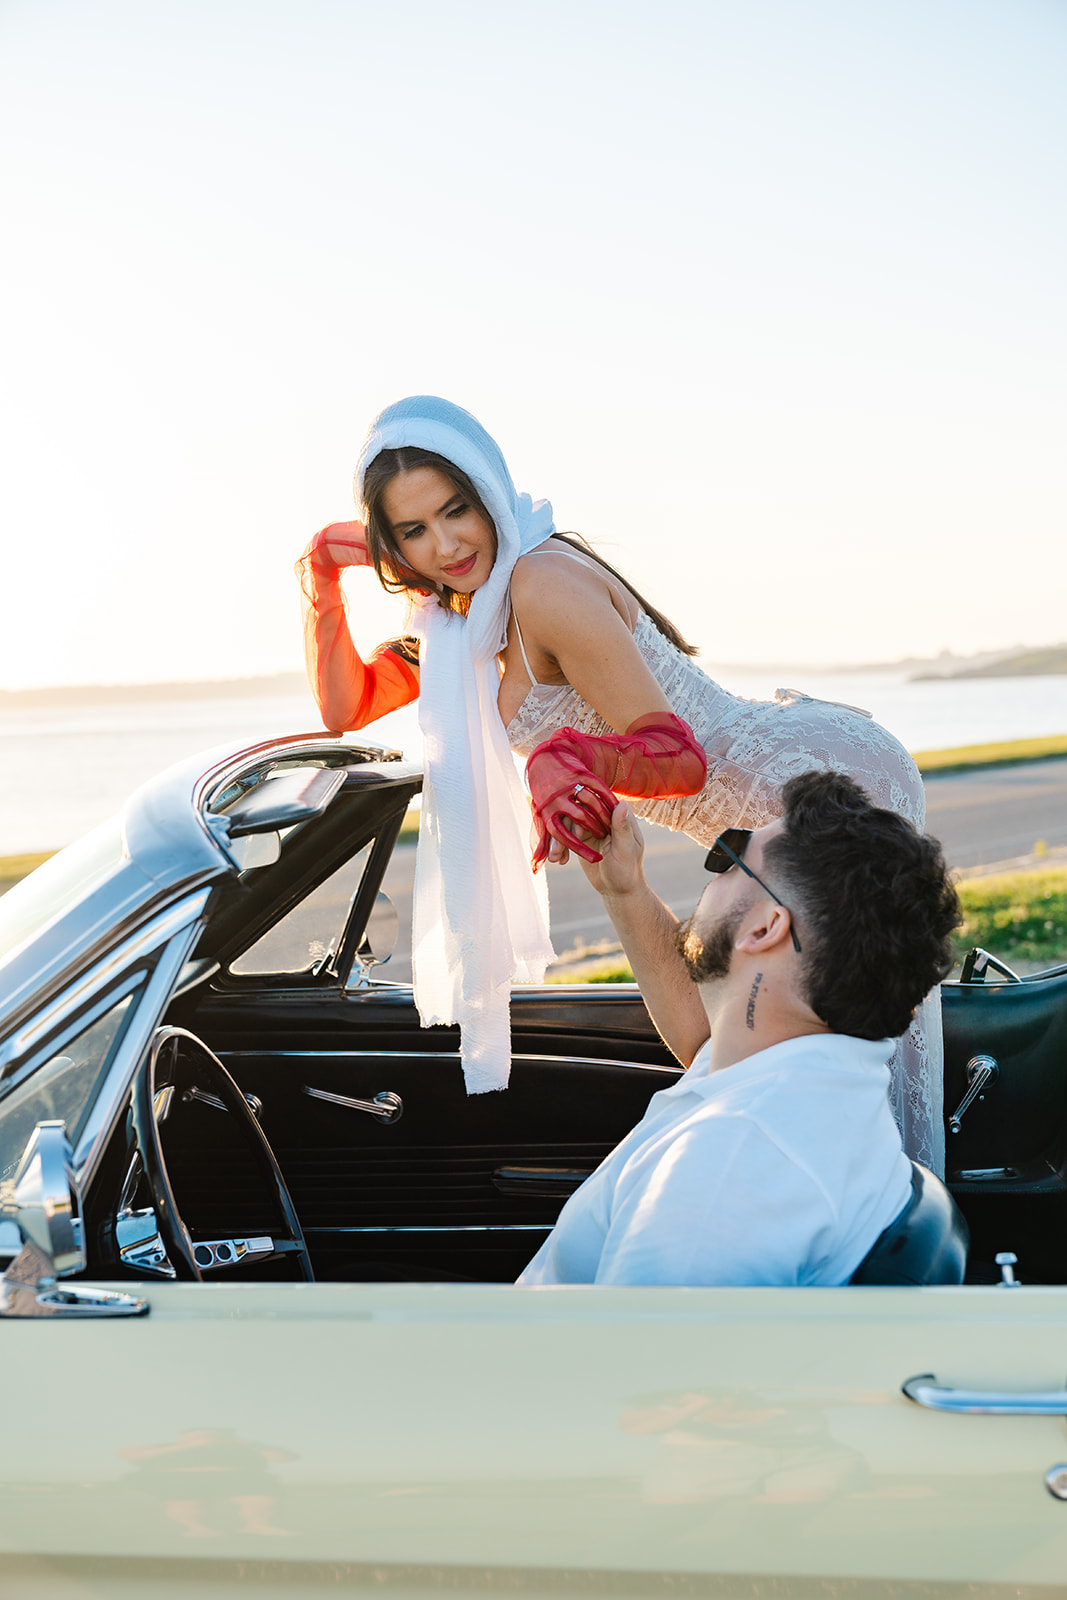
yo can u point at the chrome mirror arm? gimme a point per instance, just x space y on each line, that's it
375 947
45 1202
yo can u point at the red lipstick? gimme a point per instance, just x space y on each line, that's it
461 569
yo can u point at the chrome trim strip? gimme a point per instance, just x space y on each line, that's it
133 983
431 1055
460 1227
135 1040
229 764
608 990
150 937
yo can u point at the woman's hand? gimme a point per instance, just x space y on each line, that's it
340 544
566 811
349 692
573 778
558 854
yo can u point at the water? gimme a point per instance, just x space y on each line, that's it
936 715
63 770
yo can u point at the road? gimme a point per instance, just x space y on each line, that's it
989 816
998 814
981 818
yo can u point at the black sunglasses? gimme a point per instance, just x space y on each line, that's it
727 851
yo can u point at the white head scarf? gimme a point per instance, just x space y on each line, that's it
481 915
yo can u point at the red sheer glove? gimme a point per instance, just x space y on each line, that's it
349 692
573 776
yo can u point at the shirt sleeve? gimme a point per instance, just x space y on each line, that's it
720 1203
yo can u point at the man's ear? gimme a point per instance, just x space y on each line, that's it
764 929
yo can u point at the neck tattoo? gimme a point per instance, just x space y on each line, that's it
750 1009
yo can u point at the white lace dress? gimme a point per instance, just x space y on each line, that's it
753 746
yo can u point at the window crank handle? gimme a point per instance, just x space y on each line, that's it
981 1071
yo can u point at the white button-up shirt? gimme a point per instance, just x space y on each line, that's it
781 1169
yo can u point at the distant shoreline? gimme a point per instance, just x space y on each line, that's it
101 694
945 668
1051 663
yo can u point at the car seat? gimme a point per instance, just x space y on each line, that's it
925 1243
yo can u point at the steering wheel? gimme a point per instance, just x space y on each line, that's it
181 1249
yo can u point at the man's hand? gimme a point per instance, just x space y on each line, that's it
619 871
646 929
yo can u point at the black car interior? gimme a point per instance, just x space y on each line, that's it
385 1168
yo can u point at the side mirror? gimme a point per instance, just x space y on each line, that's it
44 1202
47 1202
256 850
378 942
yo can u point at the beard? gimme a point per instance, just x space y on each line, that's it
708 956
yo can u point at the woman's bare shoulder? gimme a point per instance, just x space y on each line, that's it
544 576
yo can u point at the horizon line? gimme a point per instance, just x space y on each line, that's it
294 679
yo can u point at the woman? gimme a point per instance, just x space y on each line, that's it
522 640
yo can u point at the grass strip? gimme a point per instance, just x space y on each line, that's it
1016 914
14 867
1010 752
615 970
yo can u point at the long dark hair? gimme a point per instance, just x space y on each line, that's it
389 563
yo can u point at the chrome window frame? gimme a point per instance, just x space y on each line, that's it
158 949
177 932
75 1025
76 995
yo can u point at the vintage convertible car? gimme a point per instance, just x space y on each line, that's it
258 1322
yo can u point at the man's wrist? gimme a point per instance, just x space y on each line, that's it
635 901
619 896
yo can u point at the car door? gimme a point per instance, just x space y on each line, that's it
487 1439
392 1167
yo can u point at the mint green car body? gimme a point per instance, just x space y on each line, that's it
474 1438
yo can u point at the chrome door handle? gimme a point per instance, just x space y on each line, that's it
253 1101
926 1391
387 1106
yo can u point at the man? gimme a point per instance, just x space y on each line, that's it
775 1159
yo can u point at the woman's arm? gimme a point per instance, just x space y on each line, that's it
646 929
572 621
349 692
568 618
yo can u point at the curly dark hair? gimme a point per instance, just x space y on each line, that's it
874 901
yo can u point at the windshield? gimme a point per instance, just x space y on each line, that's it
61 881
62 1087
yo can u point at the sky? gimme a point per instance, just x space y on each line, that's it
767 298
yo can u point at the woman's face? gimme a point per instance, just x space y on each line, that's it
440 535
